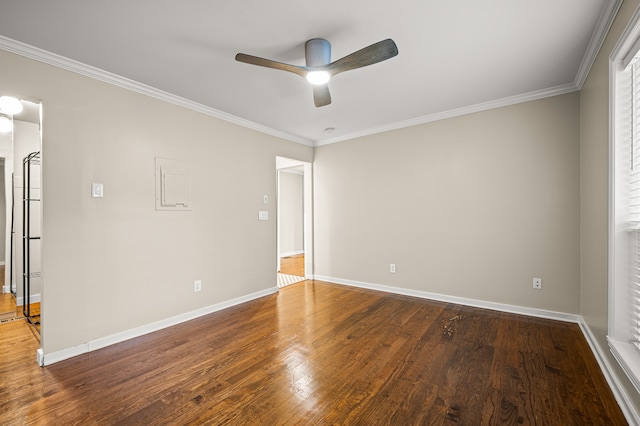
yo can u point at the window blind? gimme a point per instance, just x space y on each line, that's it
632 117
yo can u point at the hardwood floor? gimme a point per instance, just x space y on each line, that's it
7 300
292 265
7 304
320 353
9 311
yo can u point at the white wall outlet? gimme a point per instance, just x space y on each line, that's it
537 283
392 268
197 285
263 215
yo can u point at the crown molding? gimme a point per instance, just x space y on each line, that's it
31 52
605 20
485 106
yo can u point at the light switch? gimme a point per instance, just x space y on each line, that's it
265 199
263 215
97 190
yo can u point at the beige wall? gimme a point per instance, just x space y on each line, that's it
113 264
291 213
474 206
594 180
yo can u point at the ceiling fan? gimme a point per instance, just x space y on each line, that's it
319 69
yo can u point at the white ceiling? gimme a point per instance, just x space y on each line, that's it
454 56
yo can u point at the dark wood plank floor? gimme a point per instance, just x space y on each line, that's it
319 353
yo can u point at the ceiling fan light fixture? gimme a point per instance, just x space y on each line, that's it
318 77
10 105
319 70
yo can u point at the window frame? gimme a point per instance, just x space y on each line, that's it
620 313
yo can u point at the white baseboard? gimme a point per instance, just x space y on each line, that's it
533 312
619 392
53 357
291 253
2 262
6 289
34 298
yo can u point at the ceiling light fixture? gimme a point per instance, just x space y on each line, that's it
6 124
318 77
10 105
319 69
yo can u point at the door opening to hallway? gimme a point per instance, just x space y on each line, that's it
293 221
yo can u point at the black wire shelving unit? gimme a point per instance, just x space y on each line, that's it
27 237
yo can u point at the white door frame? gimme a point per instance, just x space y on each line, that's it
307 183
6 152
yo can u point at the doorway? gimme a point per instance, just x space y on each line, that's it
294 221
23 139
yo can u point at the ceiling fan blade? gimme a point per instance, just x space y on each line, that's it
268 63
321 95
370 55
